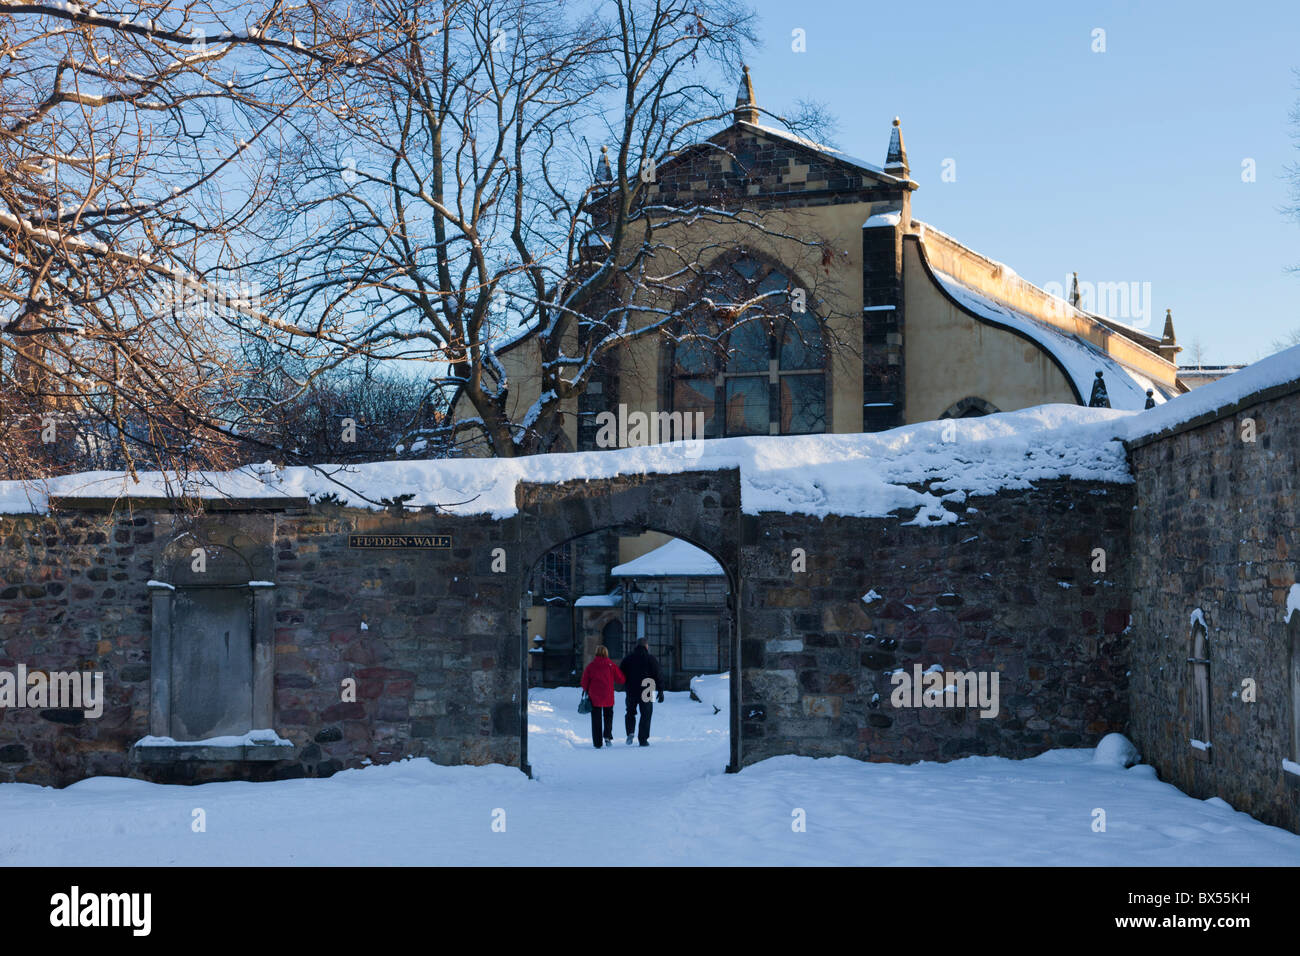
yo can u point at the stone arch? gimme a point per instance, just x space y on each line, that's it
237 549
970 407
701 508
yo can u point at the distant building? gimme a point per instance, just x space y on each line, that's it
675 597
1194 376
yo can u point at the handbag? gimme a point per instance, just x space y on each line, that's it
584 705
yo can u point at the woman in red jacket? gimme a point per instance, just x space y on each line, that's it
598 681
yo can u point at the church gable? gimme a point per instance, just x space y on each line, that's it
745 162
749 162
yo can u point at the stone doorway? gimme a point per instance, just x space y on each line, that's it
701 509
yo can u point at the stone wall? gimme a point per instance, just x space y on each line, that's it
433 638
74 598
1217 527
1010 589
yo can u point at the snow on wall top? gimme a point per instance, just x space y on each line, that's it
677 558
847 474
1278 369
1081 360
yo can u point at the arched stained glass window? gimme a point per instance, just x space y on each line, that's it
761 368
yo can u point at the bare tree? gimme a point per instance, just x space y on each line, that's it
1286 341
132 152
456 196
350 416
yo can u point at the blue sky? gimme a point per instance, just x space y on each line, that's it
1123 165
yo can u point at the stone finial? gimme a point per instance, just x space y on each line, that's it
746 104
604 173
1151 399
1075 297
896 157
1099 398
1169 347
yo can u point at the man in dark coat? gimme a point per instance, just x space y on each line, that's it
643 686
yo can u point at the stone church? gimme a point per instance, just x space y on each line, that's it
903 324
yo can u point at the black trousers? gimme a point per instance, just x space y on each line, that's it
634 702
601 716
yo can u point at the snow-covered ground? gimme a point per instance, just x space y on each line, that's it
669 803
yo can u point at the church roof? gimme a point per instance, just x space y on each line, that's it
1079 358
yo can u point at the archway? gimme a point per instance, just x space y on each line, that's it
620 587
699 508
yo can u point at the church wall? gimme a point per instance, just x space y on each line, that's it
952 355
631 548
1217 528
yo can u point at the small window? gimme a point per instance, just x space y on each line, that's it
698 645
1199 662
557 572
970 407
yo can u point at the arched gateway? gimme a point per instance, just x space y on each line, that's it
699 507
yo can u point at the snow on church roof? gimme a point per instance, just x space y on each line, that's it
1081 359
677 558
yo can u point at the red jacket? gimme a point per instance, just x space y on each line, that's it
598 681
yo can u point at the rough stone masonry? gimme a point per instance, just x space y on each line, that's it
431 641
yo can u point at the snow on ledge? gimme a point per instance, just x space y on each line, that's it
1290 766
1080 358
613 599
254 738
862 475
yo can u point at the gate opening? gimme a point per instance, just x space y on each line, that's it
612 589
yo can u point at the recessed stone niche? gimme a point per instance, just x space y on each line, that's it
212 649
